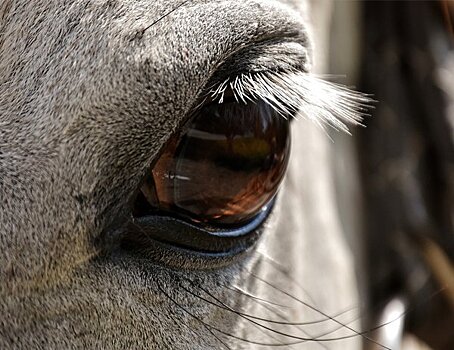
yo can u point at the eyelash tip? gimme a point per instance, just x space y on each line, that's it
298 94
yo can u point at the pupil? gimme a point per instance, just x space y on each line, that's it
224 167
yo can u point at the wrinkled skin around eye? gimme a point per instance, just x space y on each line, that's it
225 166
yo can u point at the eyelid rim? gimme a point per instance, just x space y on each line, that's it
202 239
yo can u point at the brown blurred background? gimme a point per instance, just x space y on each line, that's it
402 52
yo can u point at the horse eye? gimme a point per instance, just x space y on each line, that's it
223 167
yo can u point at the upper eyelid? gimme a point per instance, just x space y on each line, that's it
272 55
278 72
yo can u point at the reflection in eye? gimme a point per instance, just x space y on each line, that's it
225 165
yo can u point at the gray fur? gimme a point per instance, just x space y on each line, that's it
89 93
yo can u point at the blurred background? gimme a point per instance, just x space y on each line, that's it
402 53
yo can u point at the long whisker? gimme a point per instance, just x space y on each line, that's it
257 325
164 16
282 269
263 303
241 314
282 316
205 324
318 311
249 318
305 323
252 296
208 328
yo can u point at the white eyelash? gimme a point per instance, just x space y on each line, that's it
299 94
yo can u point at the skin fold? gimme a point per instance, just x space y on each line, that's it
89 93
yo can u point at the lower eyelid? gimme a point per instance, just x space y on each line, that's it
143 233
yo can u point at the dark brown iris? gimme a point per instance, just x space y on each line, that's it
225 165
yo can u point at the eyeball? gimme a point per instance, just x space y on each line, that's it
223 167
